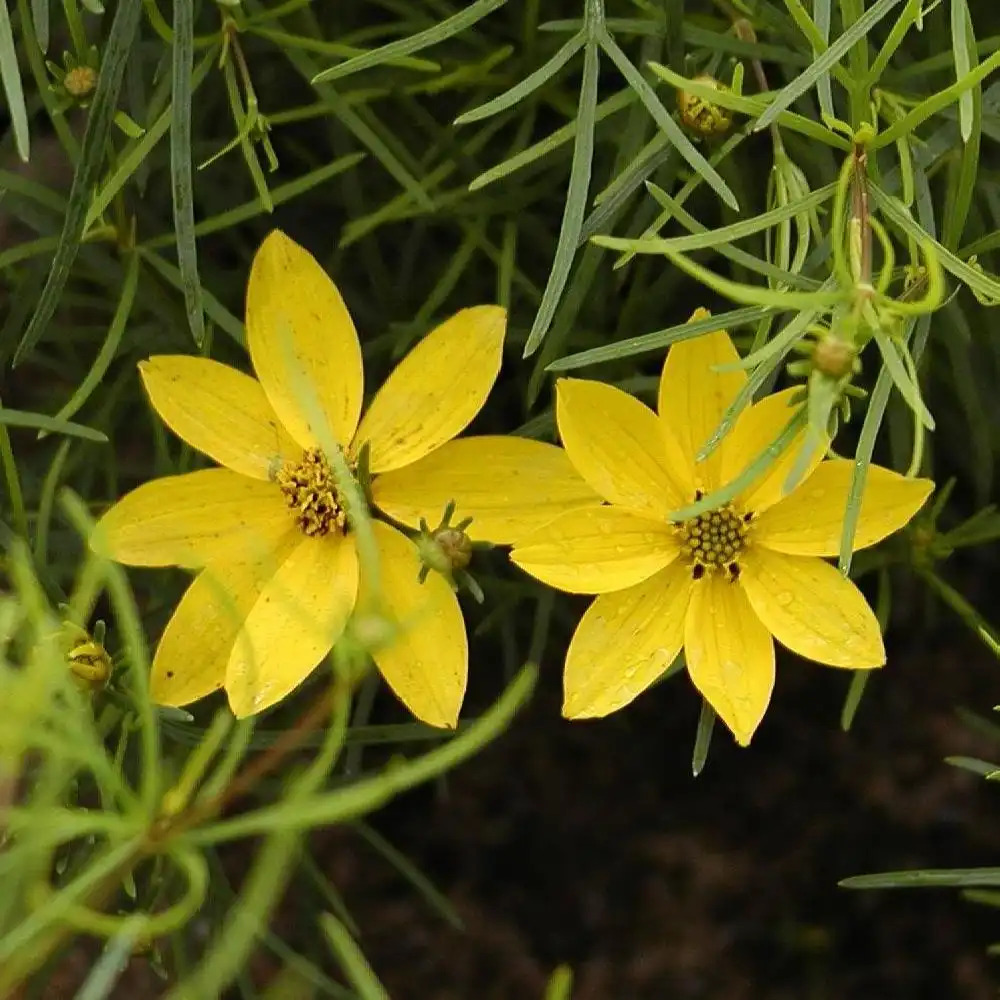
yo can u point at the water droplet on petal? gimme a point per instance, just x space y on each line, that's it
785 598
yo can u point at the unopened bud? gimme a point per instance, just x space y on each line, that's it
700 116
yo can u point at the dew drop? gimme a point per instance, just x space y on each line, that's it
785 598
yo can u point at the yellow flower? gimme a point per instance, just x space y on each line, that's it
720 585
269 532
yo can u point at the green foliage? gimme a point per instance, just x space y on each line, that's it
434 155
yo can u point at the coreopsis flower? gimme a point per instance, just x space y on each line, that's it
719 585
271 532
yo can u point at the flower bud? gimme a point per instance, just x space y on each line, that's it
701 117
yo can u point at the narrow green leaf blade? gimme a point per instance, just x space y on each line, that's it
791 93
181 183
450 26
576 201
116 52
10 76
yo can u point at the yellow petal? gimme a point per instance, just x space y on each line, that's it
192 654
220 411
755 429
730 656
435 391
597 550
812 609
618 446
192 520
624 642
303 344
426 664
809 522
300 613
509 486
692 397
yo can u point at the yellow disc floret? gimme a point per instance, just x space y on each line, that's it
714 541
80 81
311 492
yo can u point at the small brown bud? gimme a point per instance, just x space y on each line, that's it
834 357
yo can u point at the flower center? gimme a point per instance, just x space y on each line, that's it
311 492
714 540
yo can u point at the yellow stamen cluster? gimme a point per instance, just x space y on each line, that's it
714 541
311 492
80 81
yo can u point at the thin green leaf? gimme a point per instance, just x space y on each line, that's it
576 200
109 348
40 18
752 106
981 767
279 195
181 184
351 959
551 142
754 295
216 311
19 418
659 339
453 25
10 76
905 385
749 475
724 234
666 123
777 275
526 86
909 123
807 79
859 681
432 895
963 62
962 180
108 968
118 47
126 166
702 738
986 286
938 878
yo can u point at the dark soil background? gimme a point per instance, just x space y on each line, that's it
591 844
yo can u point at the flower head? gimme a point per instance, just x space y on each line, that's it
719 585
271 533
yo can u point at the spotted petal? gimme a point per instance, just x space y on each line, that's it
193 519
300 613
693 397
436 390
509 486
220 411
192 654
730 656
810 521
597 550
624 642
811 608
427 663
619 447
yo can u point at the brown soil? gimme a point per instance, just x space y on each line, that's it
591 844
